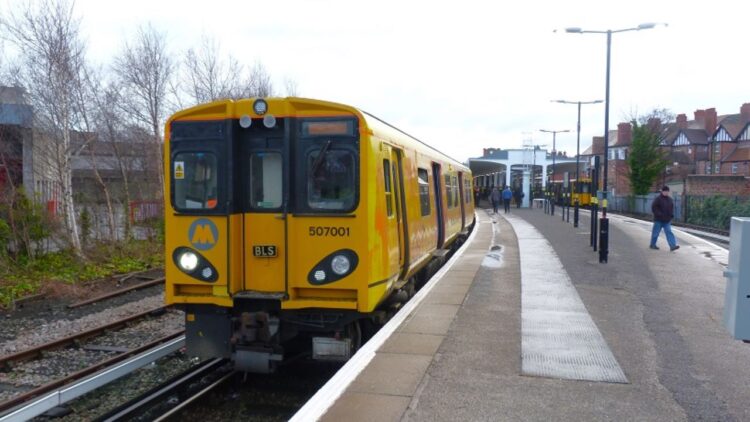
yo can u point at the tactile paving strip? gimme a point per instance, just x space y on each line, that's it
558 337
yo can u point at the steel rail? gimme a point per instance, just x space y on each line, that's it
108 372
194 397
119 292
134 407
7 361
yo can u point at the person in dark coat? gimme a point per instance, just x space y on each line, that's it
495 196
663 209
519 197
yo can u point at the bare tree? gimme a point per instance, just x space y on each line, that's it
145 69
259 82
291 88
52 56
209 77
89 106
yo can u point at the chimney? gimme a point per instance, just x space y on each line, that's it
711 120
682 121
654 124
700 117
597 145
624 134
745 111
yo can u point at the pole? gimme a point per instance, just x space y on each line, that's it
604 222
552 185
578 155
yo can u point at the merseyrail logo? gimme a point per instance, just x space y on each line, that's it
203 234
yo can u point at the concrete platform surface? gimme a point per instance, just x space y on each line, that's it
458 354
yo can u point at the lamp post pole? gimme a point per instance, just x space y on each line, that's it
604 222
578 153
554 153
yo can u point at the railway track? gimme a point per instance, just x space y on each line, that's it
56 393
137 280
174 395
57 356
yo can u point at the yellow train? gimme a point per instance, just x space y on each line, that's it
582 192
297 225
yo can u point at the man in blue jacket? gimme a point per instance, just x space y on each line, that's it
507 195
663 209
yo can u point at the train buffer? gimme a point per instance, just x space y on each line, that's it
526 324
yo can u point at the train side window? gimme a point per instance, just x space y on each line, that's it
195 180
424 191
448 190
265 180
388 190
454 183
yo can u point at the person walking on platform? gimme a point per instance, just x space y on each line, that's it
495 198
519 197
663 209
507 196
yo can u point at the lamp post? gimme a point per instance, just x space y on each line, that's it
604 222
554 153
578 152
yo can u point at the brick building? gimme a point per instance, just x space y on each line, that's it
709 144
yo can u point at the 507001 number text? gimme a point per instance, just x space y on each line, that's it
329 231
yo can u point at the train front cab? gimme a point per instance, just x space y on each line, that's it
286 226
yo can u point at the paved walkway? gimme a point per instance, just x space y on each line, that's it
459 355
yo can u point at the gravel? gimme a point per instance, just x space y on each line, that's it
23 333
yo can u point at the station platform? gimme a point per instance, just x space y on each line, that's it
526 324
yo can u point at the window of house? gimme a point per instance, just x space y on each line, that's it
708 168
717 168
735 167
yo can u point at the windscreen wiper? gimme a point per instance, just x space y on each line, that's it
319 160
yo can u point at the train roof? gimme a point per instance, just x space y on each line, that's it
295 105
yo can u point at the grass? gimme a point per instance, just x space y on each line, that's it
29 276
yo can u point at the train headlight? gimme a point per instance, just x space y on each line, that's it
260 106
333 267
188 261
340 264
194 264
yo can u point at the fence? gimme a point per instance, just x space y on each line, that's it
710 211
141 211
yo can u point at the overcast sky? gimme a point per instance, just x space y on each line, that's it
465 75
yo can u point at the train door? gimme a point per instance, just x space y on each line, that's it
461 197
436 175
397 228
261 165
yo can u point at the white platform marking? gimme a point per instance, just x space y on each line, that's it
558 337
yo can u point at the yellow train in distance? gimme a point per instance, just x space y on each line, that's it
297 226
582 192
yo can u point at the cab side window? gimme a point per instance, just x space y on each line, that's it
195 181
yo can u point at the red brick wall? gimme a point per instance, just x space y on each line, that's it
717 185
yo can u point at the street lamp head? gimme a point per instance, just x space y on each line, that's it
574 30
648 25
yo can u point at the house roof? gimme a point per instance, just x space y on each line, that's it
677 156
733 124
741 153
696 136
